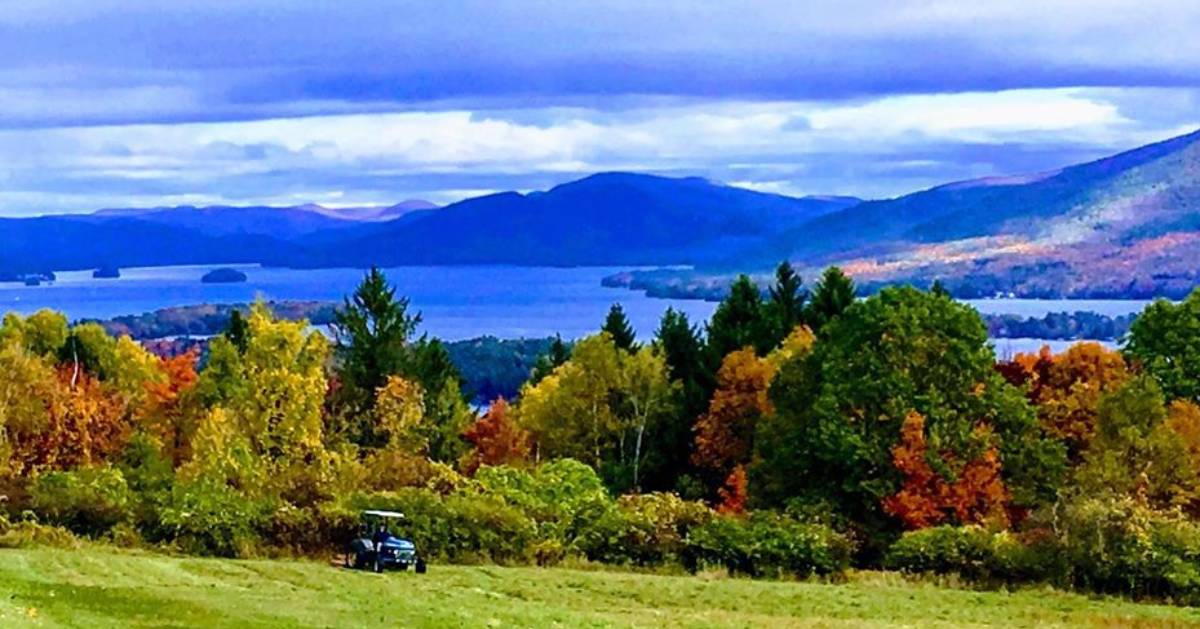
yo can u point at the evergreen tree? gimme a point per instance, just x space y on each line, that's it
938 288
786 306
617 325
238 331
683 349
832 296
738 322
373 329
558 354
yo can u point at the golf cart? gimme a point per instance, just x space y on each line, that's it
377 548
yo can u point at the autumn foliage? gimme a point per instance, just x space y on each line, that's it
927 498
725 433
495 439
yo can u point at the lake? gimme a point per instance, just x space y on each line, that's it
455 302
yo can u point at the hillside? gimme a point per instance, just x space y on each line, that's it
609 218
100 587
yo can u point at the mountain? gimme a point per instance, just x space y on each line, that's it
604 219
59 243
1126 225
372 213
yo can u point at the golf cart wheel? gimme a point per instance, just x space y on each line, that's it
420 567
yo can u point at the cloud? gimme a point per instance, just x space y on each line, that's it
879 147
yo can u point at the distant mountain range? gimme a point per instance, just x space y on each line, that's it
604 219
1127 225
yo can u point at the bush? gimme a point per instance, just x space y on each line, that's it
458 528
27 533
211 518
766 544
645 530
320 530
89 501
1121 546
974 553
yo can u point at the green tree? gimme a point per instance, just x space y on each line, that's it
571 413
738 323
831 297
238 332
839 409
372 329
558 354
785 308
1165 340
618 327
683 350
649 395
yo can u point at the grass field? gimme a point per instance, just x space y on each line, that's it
98 587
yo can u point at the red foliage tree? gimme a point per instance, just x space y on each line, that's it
165 415
734 494
86 423
496 439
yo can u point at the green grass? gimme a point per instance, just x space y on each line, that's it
99 587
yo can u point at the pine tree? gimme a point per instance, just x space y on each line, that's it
786 306
938 288
617 325
832 296
238 331
738 323
372 329
558 354
683 349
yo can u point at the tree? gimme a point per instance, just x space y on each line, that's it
558 354
725 433
1066 388
399 412
733 495
974 493
785 309
738 323
87 423
238 332
684 353
1165 340
618 327
166 415
571 413
840 409
446 410
42 332
648 394
27 386
372 330
496 439
833 294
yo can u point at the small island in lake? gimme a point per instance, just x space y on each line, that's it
223 276
107 272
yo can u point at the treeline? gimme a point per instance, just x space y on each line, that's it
208 319
801 432
1060 326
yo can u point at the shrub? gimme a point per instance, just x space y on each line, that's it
210 518
88 501
458 528
27 533
767 543
972 552
644 529
1119 545
319 530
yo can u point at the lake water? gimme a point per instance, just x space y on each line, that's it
455 302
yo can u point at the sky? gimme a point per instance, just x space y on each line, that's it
107 103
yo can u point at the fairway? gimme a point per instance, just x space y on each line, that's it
112 588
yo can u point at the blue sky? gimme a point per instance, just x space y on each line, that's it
106 103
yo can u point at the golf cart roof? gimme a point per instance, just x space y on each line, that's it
383 514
